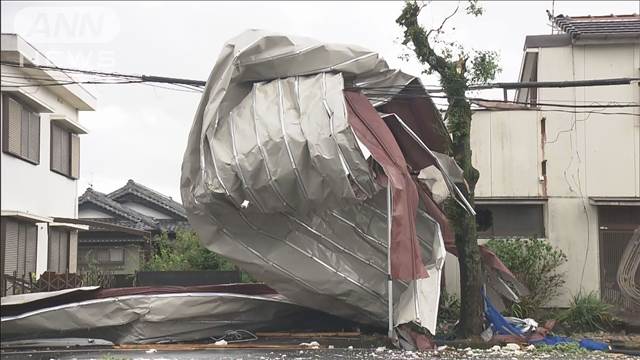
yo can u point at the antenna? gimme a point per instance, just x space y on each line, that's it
553 14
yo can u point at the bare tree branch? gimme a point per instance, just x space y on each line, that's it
439 29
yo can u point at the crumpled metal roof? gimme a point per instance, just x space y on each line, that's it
276 179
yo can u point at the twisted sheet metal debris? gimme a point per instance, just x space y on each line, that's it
275 178
152 315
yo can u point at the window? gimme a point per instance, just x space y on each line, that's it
20 130
65 151
101 255
529 73
116 255
58 259
510 220
19 241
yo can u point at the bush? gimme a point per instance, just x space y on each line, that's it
587 313
448 315
449 308
535 263
92 275
183 254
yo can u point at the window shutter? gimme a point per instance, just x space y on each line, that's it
12 125
65 150
64 252
34 137
11 247
3 241
56 148
31 248
24 133
22 244
75 156
54 251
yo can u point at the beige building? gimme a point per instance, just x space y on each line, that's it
567 174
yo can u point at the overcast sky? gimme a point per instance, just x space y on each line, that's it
140 132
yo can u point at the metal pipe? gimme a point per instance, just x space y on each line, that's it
555 84
389 280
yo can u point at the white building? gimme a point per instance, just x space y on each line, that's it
570 175
40 162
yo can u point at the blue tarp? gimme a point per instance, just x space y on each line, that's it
500 325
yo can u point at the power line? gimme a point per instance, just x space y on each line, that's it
372 92
589 112
142 78
499 85
540 84
475 99
77 82
555 84
102 79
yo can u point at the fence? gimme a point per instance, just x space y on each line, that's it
15 284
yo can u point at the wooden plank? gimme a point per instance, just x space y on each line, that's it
186 347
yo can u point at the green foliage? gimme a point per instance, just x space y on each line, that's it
448 315
484 66
183 254
473 8
587 313
535 263
92 275
448 308
566 348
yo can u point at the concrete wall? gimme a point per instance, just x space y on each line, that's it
587 154
507 156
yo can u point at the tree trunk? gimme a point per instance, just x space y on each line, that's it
472 306
464 224
455 84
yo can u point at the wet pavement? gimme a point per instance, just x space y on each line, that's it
328 354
